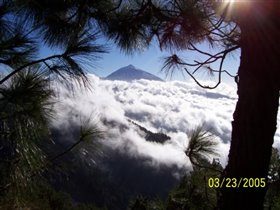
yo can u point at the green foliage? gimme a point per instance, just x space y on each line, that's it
68 27
274 168
272 199
17 49
26 96
141 203
26 108
202 145
25 111
193 192
175 24
44 197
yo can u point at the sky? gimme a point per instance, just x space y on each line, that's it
151 60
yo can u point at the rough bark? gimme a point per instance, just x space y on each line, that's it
255 116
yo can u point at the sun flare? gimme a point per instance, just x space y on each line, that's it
228 1
229 7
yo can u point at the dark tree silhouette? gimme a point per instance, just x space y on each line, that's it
255 115
70 29
202 146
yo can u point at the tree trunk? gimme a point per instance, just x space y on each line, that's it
255 116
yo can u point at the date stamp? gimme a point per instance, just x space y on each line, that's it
237 182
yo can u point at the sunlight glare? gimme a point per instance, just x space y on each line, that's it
229 7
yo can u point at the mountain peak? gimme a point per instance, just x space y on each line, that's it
131 66
130 72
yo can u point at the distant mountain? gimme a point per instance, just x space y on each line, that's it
129 73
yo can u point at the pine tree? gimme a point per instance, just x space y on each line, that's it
70 29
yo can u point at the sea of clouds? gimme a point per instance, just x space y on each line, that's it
174 108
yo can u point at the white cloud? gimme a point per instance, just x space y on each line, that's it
174 108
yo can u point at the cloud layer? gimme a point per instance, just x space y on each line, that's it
174 108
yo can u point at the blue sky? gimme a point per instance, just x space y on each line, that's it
151 60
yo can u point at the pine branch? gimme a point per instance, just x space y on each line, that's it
69 149
27 65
